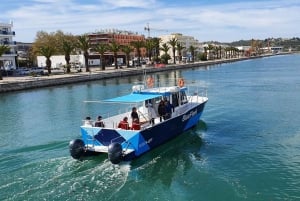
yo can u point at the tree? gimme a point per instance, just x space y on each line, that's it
192 50
46 45
165 57
138 45
101 48
173 43
48 52
150 45
156 42
115 48
84 45
3 49
179 48
66 45
127 50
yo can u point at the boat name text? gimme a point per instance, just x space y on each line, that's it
189 115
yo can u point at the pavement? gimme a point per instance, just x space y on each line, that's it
94 70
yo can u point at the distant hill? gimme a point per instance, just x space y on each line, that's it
286 43
293 43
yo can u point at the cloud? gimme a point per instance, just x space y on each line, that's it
223 21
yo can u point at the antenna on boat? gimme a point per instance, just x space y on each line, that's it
145 76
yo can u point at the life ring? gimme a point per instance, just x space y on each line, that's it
150 82
181 82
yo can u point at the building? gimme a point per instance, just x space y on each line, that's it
59 61
6 38
121 37
185 41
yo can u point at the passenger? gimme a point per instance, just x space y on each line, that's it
169 109
124 124
134 114
151 113
161 110
136 124
88 122
99 122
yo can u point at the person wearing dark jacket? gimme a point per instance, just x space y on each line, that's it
161 110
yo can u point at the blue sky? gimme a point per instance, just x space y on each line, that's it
206 20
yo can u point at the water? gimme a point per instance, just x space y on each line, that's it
246 147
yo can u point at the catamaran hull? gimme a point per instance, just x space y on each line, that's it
163 132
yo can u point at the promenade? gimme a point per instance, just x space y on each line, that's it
29 82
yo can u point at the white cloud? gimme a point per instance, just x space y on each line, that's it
222 22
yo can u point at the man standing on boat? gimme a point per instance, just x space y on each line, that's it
151 113
134 114
169 109
161 110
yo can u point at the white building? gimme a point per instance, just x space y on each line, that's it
185 41
58 61
6 38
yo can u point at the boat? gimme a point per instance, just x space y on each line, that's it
125 143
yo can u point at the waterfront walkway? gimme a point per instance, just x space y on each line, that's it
28 82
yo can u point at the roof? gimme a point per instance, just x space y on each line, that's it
133 98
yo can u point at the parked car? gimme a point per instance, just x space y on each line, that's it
37 70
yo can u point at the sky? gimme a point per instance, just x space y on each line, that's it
205 20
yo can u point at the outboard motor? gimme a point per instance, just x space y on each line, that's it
115 153
76 148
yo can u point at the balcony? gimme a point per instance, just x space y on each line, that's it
6 33
10 53
9 43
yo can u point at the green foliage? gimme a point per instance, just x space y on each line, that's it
165 58
203 56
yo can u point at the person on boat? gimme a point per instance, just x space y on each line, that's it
134 114
124 124
136 124
88 122
151 113
99 122
161 110
169 109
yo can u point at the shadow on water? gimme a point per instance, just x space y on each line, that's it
180 151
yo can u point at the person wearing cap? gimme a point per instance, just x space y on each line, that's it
99 122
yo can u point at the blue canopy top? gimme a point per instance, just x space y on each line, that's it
133 98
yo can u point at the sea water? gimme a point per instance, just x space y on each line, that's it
246 146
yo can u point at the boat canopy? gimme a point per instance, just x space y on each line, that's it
133 98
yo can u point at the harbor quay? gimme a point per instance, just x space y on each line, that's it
18 83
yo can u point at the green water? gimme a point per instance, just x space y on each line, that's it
246 147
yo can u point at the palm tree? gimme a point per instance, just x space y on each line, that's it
84 45
68 47
115 48
156 42
138 45
127 50
192 50
165 57
211 52
101 48
173 43
150 45
47 51
179 48
3 49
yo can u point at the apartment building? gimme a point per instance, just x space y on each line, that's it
185 41
121 37
6 38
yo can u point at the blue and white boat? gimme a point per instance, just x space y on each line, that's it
126 144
